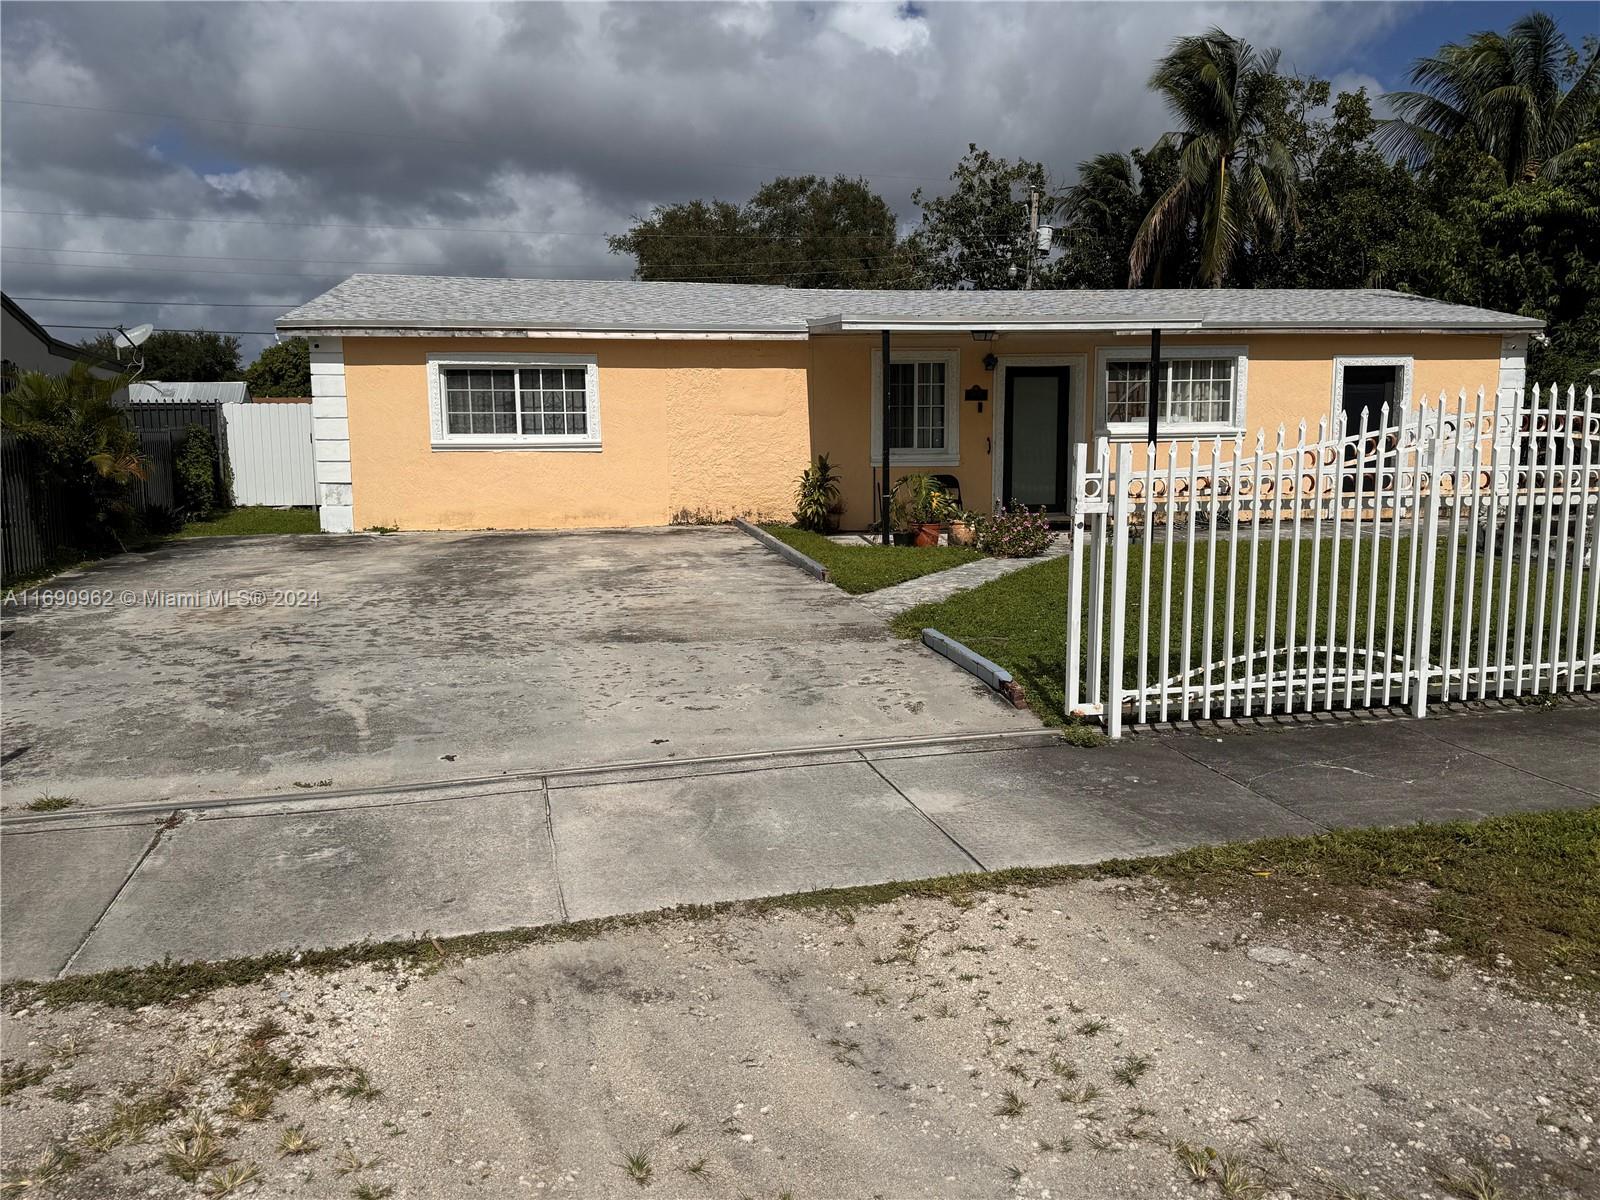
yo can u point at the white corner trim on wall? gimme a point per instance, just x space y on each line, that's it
330 436
1513 362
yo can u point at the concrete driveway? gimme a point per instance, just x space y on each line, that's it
447 656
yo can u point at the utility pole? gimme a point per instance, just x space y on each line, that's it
1033 234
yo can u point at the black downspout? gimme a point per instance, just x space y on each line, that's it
1155 385
888 492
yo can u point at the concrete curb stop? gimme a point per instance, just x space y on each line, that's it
805 562
970 661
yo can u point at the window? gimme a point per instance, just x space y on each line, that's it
514 400
924 407
916 406
1201 389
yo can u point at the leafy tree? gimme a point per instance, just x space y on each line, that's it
177 355
804 231
282 369
1525 97
977 235
85 446
1236 176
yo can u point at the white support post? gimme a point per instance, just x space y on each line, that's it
330 436
1080 530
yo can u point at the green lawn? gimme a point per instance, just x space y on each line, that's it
864 568
253 519
1019 620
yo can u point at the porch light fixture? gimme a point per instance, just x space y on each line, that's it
990 362
977 394
983 335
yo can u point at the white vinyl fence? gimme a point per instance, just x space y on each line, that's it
1448 552
270 448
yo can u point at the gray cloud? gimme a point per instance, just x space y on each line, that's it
557 122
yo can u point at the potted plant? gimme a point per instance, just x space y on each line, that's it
959 522
919 508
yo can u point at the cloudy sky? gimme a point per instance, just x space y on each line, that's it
215 164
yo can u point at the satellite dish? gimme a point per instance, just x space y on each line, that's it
135 337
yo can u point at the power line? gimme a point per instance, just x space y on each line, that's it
498 147
236 332
39 212
885 271
154 303
381 262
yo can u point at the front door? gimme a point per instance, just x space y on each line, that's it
1036 436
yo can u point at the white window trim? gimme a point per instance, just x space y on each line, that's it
1138 430
1402 391
442 439
950 456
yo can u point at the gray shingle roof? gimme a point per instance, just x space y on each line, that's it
411 303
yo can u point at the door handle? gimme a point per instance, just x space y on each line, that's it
988 445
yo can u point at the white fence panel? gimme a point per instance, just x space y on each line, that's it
1446 551
270 448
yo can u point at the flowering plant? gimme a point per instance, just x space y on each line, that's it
1013 532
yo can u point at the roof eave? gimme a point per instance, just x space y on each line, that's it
358 328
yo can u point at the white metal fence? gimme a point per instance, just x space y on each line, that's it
270 448
1449 551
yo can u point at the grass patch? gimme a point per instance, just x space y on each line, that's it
254 519
1020 619
862 568
50 804
1526 886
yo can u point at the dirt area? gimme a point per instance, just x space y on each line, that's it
1084 1040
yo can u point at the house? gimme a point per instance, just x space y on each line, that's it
29 346
445 403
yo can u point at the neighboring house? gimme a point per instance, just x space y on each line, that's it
159 391
522 403
27 346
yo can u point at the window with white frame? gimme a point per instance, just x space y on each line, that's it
1199 389
916 405
514 400
924 407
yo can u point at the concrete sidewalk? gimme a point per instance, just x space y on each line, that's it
87 890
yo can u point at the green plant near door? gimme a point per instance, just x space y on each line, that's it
816 496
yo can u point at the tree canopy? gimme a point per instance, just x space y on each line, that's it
803 231
281 369
173 354
976 235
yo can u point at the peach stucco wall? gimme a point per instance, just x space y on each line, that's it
723 427
716 428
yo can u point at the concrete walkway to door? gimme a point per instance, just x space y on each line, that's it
94 888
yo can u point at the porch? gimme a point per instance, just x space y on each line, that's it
992 412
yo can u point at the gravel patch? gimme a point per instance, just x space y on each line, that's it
1087 1040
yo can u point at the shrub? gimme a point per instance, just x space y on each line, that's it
84 448
196 474
816 496
1012 532
919 500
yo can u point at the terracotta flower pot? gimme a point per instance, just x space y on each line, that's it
961 534
927 534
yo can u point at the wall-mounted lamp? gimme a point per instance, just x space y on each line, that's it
977 394
983 335
990 362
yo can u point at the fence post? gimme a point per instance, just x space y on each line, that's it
1080 530
1117 648
1430 556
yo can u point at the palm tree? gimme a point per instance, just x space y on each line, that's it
1503 94
77 427
1235 180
